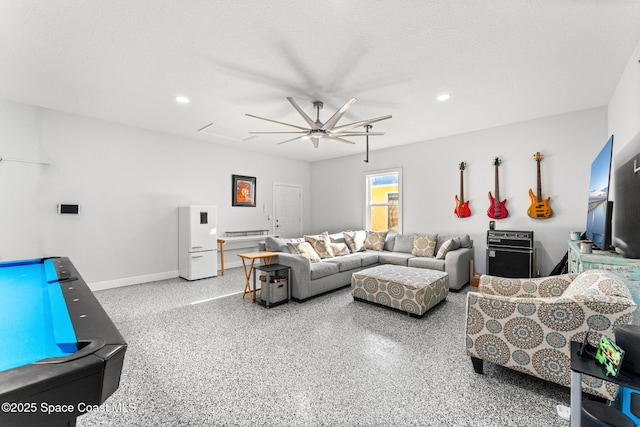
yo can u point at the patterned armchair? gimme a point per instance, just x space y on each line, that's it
527 324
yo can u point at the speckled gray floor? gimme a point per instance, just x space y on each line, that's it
327 362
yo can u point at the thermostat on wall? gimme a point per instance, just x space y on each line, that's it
68 209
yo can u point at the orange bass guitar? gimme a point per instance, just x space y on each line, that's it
462 207
539 209
497 208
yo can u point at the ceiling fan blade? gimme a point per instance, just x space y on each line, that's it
357 133
360 124
300 131
304 115
275 121
289 140
315 141
338 114
335 138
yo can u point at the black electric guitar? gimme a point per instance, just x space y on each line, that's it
462 207
539 209
497 208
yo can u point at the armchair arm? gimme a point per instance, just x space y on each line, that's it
540 287
456 264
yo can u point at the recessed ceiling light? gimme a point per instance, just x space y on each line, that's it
443 97
182 99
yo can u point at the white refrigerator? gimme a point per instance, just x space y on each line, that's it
197 242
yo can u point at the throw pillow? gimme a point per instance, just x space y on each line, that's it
424 245
449 245
375 240
355 240
340 249
321 244
304 249
403 243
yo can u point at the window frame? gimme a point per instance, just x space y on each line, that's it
367 201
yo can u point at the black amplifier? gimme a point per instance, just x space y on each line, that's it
510 253
510 239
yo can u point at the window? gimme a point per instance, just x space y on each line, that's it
383 201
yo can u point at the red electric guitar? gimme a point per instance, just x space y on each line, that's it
462 207
497 208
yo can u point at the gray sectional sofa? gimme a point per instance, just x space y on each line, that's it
334 269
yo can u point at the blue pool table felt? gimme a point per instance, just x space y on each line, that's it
34 320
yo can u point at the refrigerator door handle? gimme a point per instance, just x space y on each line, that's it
197 256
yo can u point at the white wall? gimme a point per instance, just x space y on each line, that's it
128 183
568 143
624 106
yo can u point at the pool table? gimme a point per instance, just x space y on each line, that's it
60 353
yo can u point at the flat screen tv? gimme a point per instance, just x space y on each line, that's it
600 209
626 218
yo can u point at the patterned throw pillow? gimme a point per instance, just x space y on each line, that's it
375 240
304 249
355 240
340 249
321 244
448 246
424 245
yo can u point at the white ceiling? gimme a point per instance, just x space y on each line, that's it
502 61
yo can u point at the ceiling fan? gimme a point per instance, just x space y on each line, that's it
318 130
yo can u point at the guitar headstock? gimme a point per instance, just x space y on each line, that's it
496 161
462 166
537 157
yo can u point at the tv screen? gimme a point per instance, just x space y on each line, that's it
627 196
600 209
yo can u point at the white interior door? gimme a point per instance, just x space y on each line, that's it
287 210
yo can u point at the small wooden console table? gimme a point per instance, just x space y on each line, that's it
240 236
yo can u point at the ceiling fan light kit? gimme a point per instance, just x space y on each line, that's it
329 130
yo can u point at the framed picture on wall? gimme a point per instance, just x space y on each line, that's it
243 190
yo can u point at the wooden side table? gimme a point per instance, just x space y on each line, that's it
253 256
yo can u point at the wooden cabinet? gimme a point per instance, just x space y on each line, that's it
603 260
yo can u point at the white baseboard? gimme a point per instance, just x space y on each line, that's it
117 283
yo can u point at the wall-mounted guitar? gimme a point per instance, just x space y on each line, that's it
462 207
539 209
497 208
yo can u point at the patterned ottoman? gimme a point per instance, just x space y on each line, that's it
410 289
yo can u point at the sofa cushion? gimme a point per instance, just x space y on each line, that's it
403 243
321 244
338 237
425 262
424 245
323 269
305 249
463 239
389 242
340 249
355 240
346 263
275 244
397 258
448 246
375 240
366 258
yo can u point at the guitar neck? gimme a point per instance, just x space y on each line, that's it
461 187
497 192
539 183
